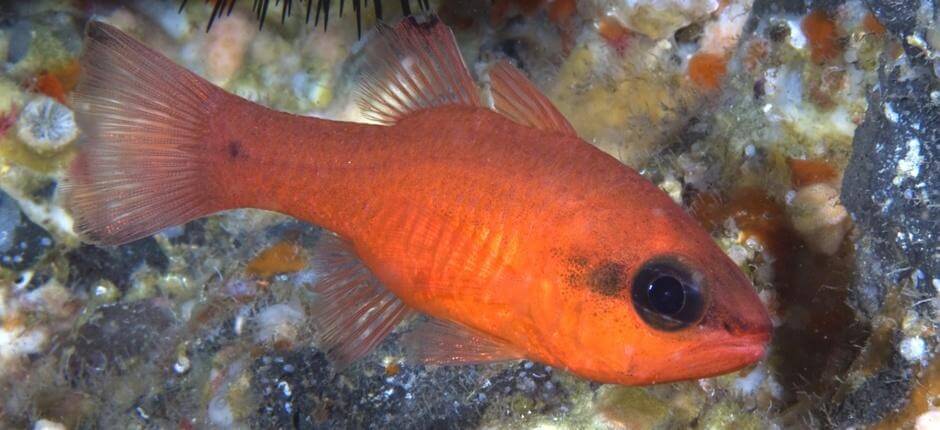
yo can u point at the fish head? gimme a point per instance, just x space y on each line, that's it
658 304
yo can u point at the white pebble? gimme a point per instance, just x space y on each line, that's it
890 114
45 424
749 384
220 413
909 166
797 39
750 151
913 349
929 420
278 322
182 364
285 388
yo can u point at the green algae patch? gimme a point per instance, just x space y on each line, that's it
635 408
728 415
628 109
15 152
46 52
669 406
10 96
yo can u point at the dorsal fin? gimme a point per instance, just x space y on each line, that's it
445 342
413 66
354 312
517 98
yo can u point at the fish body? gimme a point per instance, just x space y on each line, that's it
517 238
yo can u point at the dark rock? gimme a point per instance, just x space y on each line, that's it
900 18
194 233
895 209
114 336
769 7
884 392
35 281
21 36
301 233
89 263
890 188
22 242
45 191
300 389
689 34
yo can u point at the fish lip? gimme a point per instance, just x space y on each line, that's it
754 344
745 349
759 338
718 355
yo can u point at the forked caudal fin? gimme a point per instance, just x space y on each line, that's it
141 167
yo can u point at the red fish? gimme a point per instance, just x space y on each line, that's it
514 236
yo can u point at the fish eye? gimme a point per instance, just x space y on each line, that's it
666 296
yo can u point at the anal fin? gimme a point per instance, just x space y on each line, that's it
518 99
446 343
354 312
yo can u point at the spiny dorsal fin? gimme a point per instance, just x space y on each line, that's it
445 342
354 312
414 66
517 98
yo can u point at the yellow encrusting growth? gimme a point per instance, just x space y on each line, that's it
282 257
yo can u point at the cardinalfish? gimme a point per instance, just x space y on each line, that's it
516 238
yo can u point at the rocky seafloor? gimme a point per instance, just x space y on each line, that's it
803 134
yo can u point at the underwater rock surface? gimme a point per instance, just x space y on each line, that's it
890 184
891 189
803 134
22 242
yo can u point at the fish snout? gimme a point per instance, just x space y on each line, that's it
754 325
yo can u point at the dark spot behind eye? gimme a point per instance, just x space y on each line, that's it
607 278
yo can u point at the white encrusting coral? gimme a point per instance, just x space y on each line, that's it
18 341
909 166
819 217
657 18
722 34
279 322
913 349
929 420
46 125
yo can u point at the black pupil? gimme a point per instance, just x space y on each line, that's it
666 295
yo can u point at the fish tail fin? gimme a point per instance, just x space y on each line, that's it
142 165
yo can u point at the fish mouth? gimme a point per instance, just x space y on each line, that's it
717 357
749 348
711 356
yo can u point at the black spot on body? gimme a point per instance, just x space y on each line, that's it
234 149
607 278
